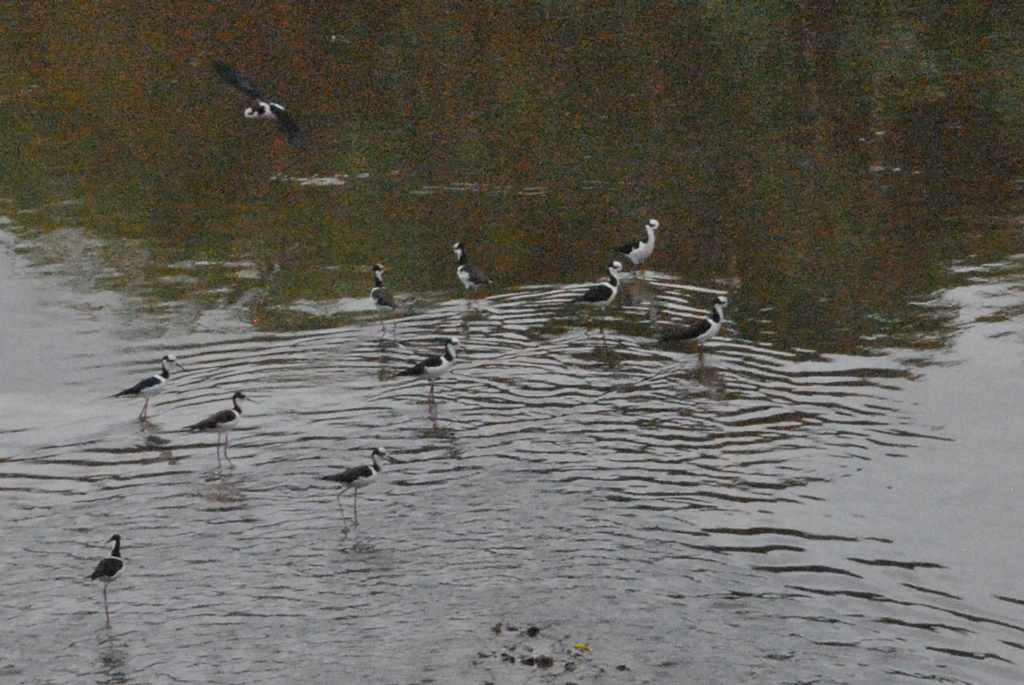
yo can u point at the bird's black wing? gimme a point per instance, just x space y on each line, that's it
628 247
383 297
477 275
107 568
420 367
350 475
688 333
596 293
150 382
290 129
217 419
237 80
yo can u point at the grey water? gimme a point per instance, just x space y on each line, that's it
829 493
779 516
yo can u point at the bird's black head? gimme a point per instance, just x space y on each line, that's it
114 538
459 248
378 268
381 453
239 395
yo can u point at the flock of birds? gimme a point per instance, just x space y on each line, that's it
431 368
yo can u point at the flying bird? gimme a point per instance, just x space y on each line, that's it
262 107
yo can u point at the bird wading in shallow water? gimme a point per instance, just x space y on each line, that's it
262 107
358 477
148 387
107 569
435 366
471 275
703 330
381 296
222 422
641 250
602 294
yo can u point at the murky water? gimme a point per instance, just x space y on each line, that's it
830 496
765 516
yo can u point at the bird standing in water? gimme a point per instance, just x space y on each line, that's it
107 569
148 387
641 250
358 477
222 422
703 330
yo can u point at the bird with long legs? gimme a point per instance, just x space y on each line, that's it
382 298
640 251
602 294
262 107
222 422
471 275
153 385
358 477
435 366
107 570
702 330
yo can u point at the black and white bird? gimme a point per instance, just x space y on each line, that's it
435 366
263 108
381 296
641 250
358 477
471 275
706 328
107 569
603 293
222 422
148 387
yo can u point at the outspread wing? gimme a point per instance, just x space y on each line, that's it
295 137
237 80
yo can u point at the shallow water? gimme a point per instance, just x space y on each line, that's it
766 515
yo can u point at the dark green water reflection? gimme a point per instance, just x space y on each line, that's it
824 162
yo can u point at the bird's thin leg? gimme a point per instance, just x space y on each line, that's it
342 509
106 607
226 451
430 397
355 507
145 408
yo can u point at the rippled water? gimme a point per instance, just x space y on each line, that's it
687 522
